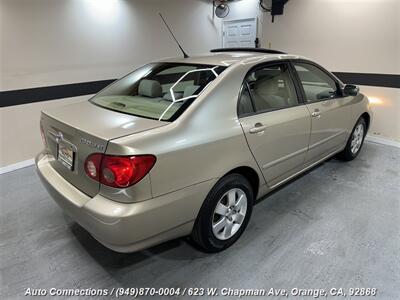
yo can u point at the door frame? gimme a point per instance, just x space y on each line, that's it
301 103
224 22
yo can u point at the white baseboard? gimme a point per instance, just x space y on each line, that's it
383 141
16 166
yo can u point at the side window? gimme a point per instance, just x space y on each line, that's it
245 106
316 83
272 88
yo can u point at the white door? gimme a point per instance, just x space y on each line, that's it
239 33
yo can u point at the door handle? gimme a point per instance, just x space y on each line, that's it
316 114
258 127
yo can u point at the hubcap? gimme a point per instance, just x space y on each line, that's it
229 214
357 138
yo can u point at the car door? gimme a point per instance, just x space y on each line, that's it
330 111
276 124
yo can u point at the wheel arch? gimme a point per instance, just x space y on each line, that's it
250 174
367 118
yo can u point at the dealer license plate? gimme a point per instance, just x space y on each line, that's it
66 156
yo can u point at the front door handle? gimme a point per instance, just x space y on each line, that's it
258 127
316 114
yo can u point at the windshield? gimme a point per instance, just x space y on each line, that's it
160 91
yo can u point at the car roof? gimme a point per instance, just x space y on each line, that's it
228 58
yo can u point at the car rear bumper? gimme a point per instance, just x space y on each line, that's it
126 227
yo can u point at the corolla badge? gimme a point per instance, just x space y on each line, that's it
92 144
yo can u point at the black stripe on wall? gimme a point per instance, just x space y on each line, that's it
381 80
25 96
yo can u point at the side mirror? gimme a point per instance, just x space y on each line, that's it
351 90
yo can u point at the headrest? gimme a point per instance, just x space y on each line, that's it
150 88
190 90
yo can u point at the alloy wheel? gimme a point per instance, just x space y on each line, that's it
229 214
357 139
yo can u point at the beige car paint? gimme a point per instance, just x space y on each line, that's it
126 227
330 127
99 126
206 142
288 128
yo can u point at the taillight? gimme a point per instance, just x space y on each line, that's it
92 166
118 171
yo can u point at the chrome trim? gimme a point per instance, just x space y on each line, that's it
59 137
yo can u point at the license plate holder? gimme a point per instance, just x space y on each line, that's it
65 155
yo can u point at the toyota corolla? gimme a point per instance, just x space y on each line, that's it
184 146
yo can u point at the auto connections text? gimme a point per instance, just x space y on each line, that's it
206 292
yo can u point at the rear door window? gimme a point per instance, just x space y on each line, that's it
272 88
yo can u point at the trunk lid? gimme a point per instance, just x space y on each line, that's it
75 131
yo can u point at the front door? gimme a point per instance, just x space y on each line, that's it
275 123
239 33
329 111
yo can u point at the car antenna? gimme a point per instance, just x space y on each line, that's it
169 29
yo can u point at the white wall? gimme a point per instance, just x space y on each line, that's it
361 36
47 42
20 132
52 42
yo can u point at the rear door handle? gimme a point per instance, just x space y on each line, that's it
258 127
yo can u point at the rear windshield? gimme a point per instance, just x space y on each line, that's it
160 91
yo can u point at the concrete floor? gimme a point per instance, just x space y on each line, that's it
336 226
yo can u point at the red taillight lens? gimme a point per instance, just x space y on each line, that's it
118 171
92 165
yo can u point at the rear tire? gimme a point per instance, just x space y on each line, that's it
224 214
355 141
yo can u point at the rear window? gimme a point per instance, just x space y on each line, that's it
160 91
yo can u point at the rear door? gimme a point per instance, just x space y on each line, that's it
330 112
275 122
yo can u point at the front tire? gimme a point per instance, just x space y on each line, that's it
225 214
355 141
